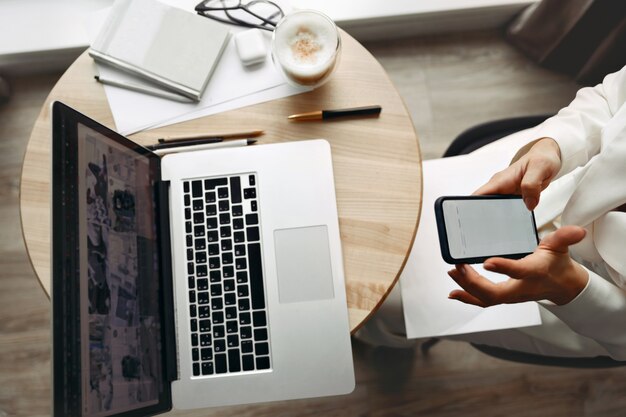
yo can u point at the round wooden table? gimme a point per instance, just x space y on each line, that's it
377 166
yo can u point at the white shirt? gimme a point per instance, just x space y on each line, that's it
591 133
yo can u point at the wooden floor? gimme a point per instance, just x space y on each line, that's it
449 83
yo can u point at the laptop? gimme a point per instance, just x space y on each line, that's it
192 280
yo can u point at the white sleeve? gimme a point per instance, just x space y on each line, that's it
577 128
598 312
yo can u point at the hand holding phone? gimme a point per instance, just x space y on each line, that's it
475 228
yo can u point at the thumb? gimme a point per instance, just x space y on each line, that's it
562 238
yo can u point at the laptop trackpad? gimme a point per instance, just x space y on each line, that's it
303 264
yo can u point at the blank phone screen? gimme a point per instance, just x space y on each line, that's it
488 227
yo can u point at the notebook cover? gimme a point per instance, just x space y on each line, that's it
166 45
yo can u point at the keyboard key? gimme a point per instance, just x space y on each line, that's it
186 186
207 368
223 205
200 257
207 354
235 190
224 231
214 249
211 210
198 218
231 313
229 285
233 360
199 230
227 244
200 244
217 303
193 310
201 271
190 254
211 223
192 296
218 331
220 363
253 206
214 182
198 205
222 192
220 346
230 299
204 312
224 218
203 298
216 290
214 262
241 263
231 326
237 210
259 319
244 304
196 189
194 325
252 233
232 341
263 363
229 272
239 237
191 282
218 317
189 241
260 335
195 354
257 291
190 268
205 326
247 363
245 318
194 339
247 346
196 369
215 276
238 223
205 340
252 219
210 197
203 284
212 236
246 332
242 291
249 193
227 258
187 227
187 214
242 276
251 180
261 349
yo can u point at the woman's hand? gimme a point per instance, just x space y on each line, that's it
529 175
547 274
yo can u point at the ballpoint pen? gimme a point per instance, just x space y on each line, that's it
144 89
338 113
226 144
209 136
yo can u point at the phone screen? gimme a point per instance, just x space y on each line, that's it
485 227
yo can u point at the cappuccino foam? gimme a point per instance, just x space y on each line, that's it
306 46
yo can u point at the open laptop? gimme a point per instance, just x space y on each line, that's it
198 279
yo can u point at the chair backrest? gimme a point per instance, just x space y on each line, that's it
485 133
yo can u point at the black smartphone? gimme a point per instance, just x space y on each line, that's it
475 228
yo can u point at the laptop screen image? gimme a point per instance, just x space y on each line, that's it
109 210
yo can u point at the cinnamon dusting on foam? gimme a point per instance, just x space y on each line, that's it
305 46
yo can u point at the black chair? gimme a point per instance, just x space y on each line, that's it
469 141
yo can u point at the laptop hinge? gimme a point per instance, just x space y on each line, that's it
167 290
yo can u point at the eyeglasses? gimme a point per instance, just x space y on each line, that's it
260 14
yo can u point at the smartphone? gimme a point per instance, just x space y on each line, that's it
475 228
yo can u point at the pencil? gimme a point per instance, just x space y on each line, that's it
221 136
334 114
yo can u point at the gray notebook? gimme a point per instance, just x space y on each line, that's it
163 44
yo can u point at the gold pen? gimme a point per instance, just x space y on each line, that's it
335 114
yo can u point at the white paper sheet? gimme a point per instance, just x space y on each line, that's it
425 283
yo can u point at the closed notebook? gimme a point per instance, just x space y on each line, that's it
166 45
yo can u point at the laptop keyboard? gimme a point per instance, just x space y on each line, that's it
229 329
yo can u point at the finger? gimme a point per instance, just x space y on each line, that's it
465 297
503 182
562 238
476 285
514 268
533 183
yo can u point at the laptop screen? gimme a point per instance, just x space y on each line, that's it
105 273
